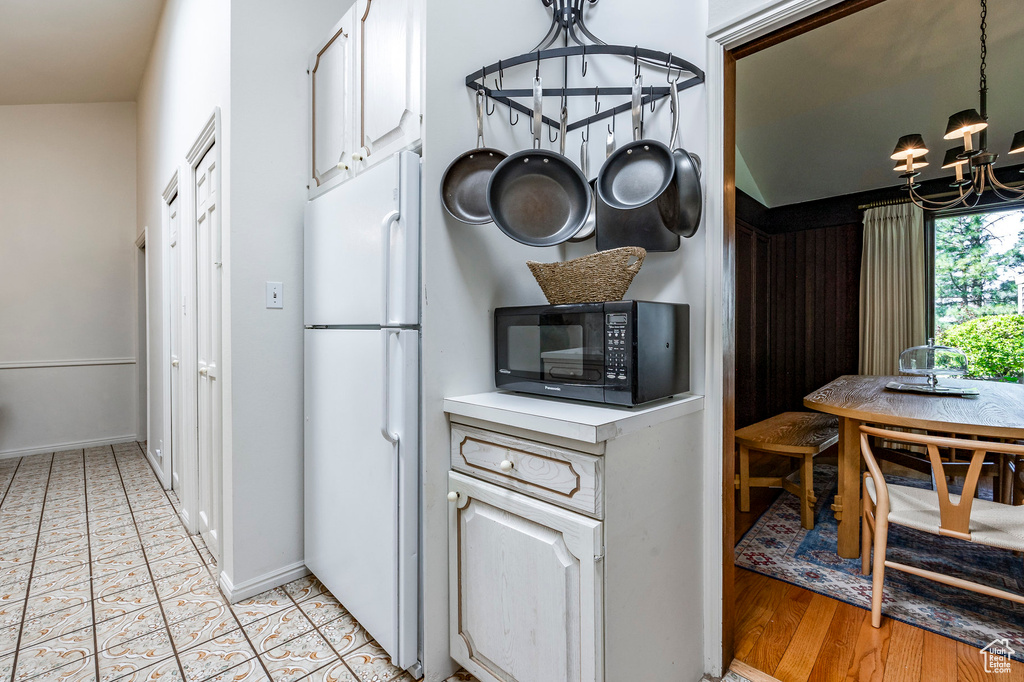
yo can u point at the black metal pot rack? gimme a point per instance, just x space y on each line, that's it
568 22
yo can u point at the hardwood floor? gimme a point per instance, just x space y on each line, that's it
795 635
798 636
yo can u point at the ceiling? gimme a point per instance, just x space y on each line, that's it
818 115
70 51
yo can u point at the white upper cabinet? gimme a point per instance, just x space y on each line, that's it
389 76
333 105
365 90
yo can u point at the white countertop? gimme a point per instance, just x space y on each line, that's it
587 422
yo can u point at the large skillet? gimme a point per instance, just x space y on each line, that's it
639 173
536 196
464 184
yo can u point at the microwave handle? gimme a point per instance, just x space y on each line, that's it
390 219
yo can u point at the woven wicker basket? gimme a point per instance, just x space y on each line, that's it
602 276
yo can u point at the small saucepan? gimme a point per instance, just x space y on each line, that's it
639 173
683 217
464 184
536 196
589 227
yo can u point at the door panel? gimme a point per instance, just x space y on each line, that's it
525 587
344 248
389 50
361 491
332 88
177 300
208 342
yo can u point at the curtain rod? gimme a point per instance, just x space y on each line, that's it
906 200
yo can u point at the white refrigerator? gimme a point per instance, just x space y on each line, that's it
362 398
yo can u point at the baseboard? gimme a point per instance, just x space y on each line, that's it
77 445
267 581
158 470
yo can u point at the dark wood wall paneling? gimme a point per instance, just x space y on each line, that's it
797 308
753 273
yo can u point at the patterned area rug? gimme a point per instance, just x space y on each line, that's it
778 547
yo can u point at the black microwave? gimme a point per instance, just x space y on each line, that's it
620 353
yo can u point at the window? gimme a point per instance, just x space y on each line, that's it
979 290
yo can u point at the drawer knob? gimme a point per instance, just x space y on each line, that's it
506 465
453 496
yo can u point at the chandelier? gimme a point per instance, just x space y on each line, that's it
910 151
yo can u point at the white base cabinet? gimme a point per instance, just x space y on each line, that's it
574 540
526 580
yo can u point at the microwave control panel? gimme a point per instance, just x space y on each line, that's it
617 347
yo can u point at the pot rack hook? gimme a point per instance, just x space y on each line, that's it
489 105
537 75
597 103
670 66
636 61
584 60
654 102
611 126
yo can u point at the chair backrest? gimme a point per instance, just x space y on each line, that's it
955 519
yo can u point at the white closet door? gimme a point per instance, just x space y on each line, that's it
208 318
177 299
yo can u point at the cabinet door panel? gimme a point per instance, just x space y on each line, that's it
525 586
333 103
389 61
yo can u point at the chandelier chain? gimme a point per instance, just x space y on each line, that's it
984 47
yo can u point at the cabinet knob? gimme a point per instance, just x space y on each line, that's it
453 496
174 363
361 154
204 371
343 166
506 465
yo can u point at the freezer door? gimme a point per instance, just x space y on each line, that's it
362 249
362 476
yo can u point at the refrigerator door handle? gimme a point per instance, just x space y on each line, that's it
390 219
385 429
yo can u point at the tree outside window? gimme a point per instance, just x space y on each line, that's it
979 290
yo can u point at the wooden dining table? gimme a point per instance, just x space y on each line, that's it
996 413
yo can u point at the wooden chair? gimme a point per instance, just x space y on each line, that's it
934 511
801 435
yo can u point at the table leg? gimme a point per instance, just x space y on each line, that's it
847 505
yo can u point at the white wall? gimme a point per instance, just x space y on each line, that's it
270 46
186 77
67 272
470 270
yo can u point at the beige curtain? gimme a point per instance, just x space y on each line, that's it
893 306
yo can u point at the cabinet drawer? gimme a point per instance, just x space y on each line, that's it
564 477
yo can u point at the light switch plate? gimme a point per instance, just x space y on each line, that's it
275 295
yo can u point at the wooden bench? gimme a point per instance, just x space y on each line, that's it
799 435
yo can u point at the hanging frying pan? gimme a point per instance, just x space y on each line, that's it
464 184
536 196
684 217
638 173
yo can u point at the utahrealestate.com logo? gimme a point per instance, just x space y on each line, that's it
998 656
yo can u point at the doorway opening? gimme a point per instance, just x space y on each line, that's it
793 236
142 341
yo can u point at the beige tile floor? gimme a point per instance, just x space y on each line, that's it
99 581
